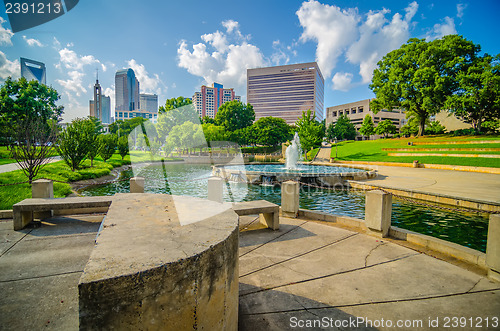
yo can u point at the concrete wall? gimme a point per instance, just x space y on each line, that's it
149 272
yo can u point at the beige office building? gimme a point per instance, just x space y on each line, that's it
286 91
356 112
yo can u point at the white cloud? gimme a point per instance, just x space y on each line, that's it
279 56
442 29
332 28
217 40
8 68
378 36
32 42
460 9
73 85
224 61
5 34
75 71
342 81
68 59
231 26
148 84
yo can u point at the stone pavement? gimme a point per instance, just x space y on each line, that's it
310 271
306 270
460 184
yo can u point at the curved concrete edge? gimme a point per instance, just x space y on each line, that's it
149 271
464 254
201 292
485 206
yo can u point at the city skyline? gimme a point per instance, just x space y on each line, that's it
173 51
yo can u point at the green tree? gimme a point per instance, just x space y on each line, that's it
234 115
20 100
207 120
123 146
94 141
213 132
310 131
75 142
420 75
410 128
367 128
271 131
154 146
108 146
478 96
167 120
28 122
343 129
385 128
435 128
184 137
174 103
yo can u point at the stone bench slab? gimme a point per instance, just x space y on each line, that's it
23 211
268 212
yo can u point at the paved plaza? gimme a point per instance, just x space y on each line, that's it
306 271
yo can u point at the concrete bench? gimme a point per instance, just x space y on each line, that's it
268 212
23 211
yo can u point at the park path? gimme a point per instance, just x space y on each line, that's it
323 154
14 166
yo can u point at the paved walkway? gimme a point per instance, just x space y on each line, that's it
460 184
14 166
305 271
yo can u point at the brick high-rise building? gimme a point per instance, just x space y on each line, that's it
209 99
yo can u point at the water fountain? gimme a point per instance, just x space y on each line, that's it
293 153
323 175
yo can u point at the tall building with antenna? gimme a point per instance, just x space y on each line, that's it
100 107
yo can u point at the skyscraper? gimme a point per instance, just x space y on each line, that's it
33 70
208 101
126 90
286 91
100 107
149 102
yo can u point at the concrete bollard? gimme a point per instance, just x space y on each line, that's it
215 189
378 208
137 185
290 198
493 248
42 188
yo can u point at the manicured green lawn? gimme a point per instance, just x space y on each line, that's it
5 155
312 154
371 150
59 171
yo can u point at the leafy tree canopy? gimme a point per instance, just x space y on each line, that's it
234 115
310 131
385 128
174 103
20 100
343 129
420 75
367 127
271 131
478 97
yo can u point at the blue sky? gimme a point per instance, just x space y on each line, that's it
176 46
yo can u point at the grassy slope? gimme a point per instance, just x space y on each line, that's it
372 151
10 195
